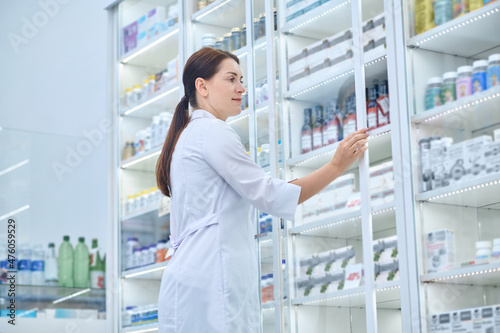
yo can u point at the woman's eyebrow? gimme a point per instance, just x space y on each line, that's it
233 73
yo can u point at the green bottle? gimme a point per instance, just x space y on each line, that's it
82 259
97 267
65 263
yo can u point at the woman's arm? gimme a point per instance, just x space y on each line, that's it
347 152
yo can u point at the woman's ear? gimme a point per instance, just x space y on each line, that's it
201 86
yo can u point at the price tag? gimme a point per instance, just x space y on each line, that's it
353 276
164 208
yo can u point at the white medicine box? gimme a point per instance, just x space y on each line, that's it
440 250
461 321
440 322
492 157
475 159
454 163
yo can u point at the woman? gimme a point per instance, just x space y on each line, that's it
211 282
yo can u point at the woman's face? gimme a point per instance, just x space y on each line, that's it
224 90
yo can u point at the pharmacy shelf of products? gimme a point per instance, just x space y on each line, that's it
315 86
473 112
309 81
226 13
144 103
94 298
149 272
335 275
481 191
379 142
146 222
153 327
145 40
347 225
388 297
143 161
485 274
465 36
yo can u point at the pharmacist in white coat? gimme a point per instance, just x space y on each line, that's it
211 282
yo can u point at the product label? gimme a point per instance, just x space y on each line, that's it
464 87
332 132
317 138
306 141
493 76
449 92
478 82
383 111
432 98
97 279
38 266
372 115
24 265
349 125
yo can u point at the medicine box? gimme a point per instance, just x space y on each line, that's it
475 161
477 320
487 319
381 177
496 135
386 271
440 249
156 21
342 258
440 322
385 249
374 29
496 316
492 157
142 31
335 281
339 44
461 321
130 37
454 163
309 265
304 286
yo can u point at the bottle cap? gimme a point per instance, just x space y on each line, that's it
66 238
145 81
244 26
496 242
464 69
434 80
494 57
449 75
81 239
480 63
270 275
256 20
219 39
208 35
130 239
263 277
235 29
262 15
152 77
53 245
227 35
283 261
94 243
483 244
128 90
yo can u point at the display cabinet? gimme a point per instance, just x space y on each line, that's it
451 65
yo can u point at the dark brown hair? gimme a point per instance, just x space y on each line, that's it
204 63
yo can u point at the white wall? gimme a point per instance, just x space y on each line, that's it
55 112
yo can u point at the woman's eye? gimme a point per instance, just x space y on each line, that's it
231 79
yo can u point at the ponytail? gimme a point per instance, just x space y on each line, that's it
204 64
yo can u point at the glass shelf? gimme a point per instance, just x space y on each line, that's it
143 162
480 192
482 275
222 13
472 112
162 48
466 36
156 104
141 328
150 272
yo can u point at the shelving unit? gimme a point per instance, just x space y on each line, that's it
141 328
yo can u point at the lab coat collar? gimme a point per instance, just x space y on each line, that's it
200 113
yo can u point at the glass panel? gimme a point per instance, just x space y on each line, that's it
454 113
42 177
149 90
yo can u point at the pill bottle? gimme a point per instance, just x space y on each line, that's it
483 250
449 88
235 41
433 93
225 42
464 81
480 69
208 40
244 36
493 74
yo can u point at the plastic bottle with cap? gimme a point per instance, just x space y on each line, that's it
449 88
51 266
65 262
433 93
493 74
495 253
483 250
81 267
464 81
480 68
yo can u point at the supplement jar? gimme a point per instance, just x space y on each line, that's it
443 11
433 93
244 36
208 40
495 254
483 250
449 88
218 43
493 70
235 41
225 42
464 81
480 68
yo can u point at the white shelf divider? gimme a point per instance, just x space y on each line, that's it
483 275
154 271
153 327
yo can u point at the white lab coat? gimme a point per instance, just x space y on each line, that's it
211 282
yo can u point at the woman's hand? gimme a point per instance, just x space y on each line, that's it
349 149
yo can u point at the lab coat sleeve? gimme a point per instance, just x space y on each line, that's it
224 152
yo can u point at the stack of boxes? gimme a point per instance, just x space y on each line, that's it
382 184
473 320
336 50
444 163
386 259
